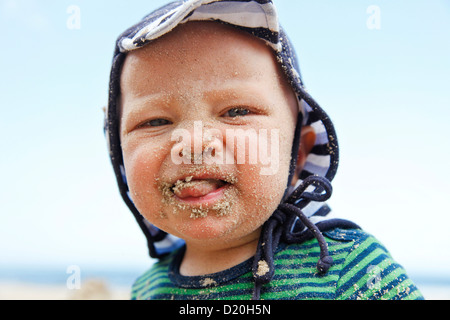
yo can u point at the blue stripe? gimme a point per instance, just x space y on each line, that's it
354 279
378 293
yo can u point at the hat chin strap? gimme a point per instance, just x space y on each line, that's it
280 225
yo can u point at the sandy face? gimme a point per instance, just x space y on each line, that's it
226 80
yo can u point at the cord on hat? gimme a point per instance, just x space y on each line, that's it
279 227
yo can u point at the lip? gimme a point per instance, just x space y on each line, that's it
206 176
208 199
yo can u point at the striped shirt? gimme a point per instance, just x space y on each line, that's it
362 269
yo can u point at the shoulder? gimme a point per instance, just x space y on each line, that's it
156 274
367 269
342 244
362 269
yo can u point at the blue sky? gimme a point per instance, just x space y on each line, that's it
386 90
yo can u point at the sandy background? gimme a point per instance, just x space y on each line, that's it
89 290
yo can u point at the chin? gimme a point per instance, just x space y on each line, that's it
213 229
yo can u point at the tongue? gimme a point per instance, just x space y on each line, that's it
196 188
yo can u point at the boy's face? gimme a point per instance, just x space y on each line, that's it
184 99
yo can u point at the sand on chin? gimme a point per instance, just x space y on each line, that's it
221 208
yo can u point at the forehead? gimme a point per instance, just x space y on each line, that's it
199 54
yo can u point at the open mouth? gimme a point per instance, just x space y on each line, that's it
198 190
201 194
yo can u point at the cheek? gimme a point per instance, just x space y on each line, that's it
262 193
264 183
142 165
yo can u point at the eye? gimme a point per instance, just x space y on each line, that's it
155 123
237 112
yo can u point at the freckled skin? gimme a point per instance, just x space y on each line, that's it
196 73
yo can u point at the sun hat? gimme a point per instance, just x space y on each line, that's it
258 18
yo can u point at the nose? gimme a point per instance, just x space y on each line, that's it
197 144
212 147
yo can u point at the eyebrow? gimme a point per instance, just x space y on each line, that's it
236 88
165 101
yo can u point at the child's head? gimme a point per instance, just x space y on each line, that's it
218 81
183 92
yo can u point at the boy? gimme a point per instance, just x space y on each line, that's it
228 217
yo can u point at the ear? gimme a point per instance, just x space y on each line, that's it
307 141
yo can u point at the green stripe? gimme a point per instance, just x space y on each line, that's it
400 289
156 271
200 291
296 275
352 257
363 281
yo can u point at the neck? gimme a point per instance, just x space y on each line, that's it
200 259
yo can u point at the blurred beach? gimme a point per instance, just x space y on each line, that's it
91 290
65 283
